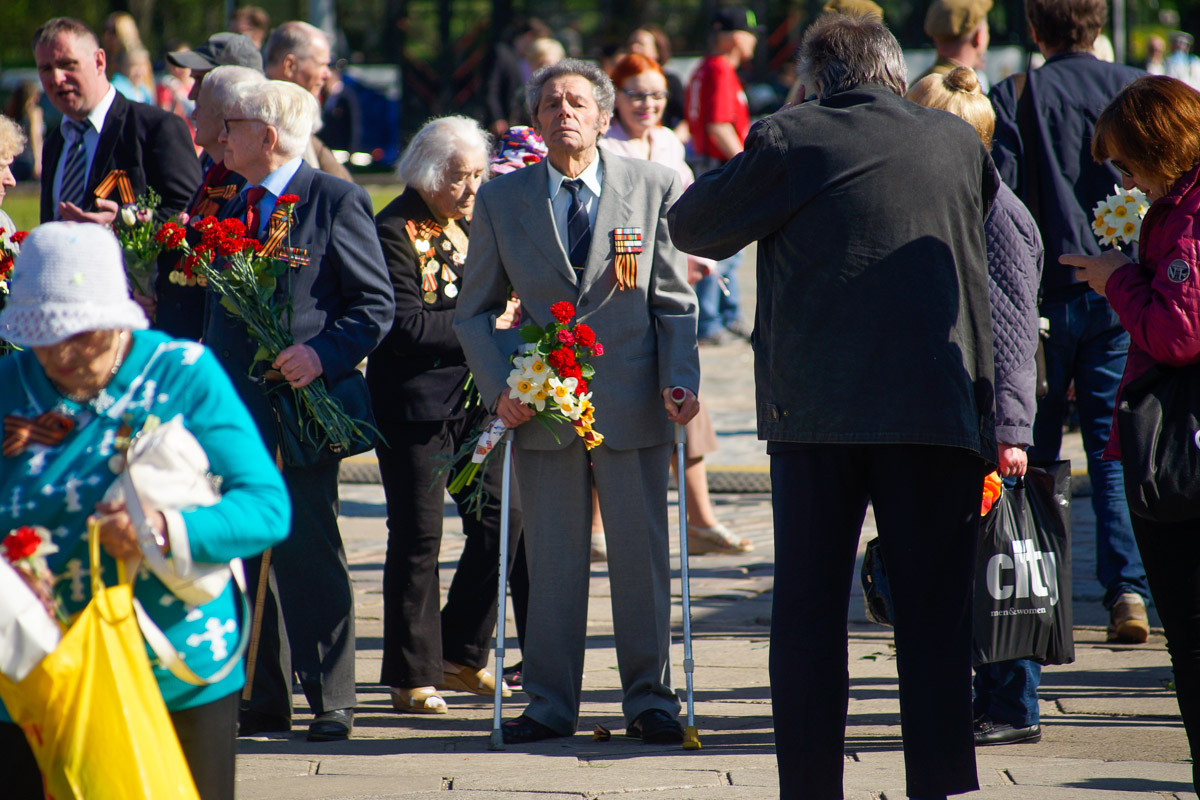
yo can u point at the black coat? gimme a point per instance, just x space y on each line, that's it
873 324
419 372
153 146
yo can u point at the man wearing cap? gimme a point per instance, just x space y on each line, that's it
180 309
959 30
300 53
1043 151
719 119
103 135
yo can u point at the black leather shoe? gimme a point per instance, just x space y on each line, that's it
524 730
655 726
252 723
988 732
332 726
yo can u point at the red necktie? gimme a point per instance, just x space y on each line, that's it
253 215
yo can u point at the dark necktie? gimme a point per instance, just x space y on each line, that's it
74 176
253 215
579 229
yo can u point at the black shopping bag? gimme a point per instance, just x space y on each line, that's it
1023 571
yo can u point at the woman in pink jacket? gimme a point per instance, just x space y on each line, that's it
1151 134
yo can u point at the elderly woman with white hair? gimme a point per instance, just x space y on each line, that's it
340 298
427 408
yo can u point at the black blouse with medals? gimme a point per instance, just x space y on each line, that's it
419 373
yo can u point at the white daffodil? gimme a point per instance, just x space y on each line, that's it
521 389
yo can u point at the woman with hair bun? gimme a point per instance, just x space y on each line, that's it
1006 704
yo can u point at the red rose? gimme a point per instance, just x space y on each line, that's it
287 200
597 349
566 337
563 311
21 543
584 335
19 236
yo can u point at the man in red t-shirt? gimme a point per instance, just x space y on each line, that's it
719 120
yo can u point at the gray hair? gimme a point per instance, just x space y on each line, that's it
840 52
291 38
602 85
290 109
223 85
12 139
430 153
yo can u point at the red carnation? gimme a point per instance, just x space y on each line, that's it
581 388
228 247
584 335
287 200
189 264
164 233
563 311
177 237
561 359
19 237
21 543
204 224
253 244
571 371
233 228
566 337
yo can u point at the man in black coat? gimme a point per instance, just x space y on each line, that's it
102 132
873 368
341 308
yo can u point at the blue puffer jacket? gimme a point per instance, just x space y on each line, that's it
1014 255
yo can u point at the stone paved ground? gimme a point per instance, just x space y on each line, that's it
1111 727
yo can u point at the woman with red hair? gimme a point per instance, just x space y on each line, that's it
637 132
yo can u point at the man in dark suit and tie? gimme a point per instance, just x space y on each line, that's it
342 306
102 132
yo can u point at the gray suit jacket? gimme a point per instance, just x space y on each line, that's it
648 332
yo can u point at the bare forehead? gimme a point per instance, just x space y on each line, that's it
64 46
573 86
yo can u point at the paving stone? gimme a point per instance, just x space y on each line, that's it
627 777
1154 707
338 787
1122 776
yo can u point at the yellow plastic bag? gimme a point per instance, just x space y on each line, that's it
92 711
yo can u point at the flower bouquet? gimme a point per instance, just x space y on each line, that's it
1117 219
141 244
550 375
10 245
25 549
245 279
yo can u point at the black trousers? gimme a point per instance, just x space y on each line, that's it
1171 554
207 734
308 617
926 501
417 632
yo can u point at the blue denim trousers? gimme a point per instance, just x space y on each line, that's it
1007 692
1087 344
717 310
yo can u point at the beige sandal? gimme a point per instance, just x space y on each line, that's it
717 539
457 678
421 700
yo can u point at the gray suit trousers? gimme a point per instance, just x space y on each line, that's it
556 502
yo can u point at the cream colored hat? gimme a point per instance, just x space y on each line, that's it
69 278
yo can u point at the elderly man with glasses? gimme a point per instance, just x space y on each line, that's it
341 308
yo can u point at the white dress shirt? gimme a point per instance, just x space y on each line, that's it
560 198
91 140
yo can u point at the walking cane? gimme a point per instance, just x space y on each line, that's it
497 739
260 597
691 737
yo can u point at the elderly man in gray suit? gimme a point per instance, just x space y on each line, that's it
548 232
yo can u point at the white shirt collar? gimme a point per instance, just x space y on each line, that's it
590 176
96 118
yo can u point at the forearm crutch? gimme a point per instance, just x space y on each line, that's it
691 737
497 739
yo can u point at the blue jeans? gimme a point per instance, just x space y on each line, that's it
718 311
1007 692
1088 344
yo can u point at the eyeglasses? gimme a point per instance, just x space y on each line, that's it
1121 168
238 119
641 97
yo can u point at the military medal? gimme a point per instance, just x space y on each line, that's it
628 243
430 297
450 290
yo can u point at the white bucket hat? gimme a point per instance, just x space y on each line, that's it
69 278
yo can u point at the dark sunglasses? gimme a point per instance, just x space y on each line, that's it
1121 168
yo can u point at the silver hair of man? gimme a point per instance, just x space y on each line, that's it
291 38
223 85
841 52
602 85
290 109
430 154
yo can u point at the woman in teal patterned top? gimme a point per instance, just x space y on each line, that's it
88 359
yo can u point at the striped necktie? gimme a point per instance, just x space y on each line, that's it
579 229
74 175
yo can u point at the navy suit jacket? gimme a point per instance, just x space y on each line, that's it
342 303
154 148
